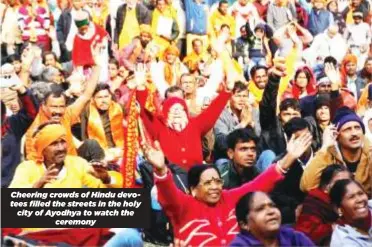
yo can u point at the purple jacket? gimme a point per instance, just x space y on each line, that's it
287 237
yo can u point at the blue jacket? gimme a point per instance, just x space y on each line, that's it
319 21
287 237
196 17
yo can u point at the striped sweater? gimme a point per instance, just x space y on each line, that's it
30 26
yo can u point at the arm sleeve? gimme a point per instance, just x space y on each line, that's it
23 119
22 178
265 182
207 119
311 176
268 104
166 190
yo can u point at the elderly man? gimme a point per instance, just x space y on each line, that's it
53 168
329 43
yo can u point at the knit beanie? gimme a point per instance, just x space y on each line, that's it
168 103
345 115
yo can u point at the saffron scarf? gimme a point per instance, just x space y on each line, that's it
95 126
134 134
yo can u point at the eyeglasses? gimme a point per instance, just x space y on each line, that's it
208 183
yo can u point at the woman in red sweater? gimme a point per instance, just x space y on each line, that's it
179 134
207 216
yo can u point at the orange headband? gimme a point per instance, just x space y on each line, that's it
47 136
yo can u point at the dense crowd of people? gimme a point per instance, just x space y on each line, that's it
250 122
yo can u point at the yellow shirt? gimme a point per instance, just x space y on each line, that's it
74 174
170 14
130 29
217 20
191 60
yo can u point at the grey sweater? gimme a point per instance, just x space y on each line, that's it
277 16
226 123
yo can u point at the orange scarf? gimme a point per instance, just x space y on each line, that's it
39 120
95 127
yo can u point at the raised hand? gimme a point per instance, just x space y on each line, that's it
279 69
49 176
100 171
155 156
27 56
332 73
20 88
329 137
296 147
140 73
97 52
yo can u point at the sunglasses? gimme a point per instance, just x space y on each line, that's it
7 76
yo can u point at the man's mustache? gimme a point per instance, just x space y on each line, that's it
56 114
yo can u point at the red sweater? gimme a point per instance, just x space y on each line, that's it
81 53
317 217
198 224
183 148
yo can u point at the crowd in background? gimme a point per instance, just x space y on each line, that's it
249 121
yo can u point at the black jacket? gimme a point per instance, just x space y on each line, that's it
272 134
316 132
142 14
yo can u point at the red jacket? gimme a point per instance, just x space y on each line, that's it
198 224
183 148
317 217
81 53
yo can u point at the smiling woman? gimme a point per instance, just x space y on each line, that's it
352 205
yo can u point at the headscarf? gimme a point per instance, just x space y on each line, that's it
168 71
168 103
295 92
349 58
47 136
